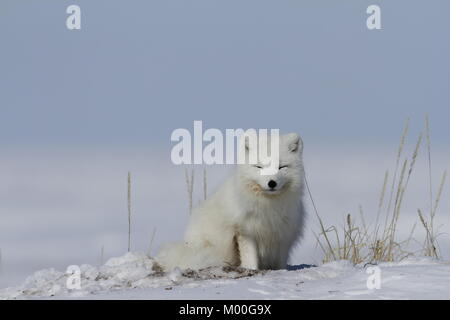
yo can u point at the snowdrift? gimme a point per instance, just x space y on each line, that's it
136 276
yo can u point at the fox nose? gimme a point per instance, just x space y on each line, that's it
272 184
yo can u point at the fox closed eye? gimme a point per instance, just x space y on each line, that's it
281 167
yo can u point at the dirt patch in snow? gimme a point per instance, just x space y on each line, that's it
133 270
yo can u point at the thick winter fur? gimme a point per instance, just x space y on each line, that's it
246 223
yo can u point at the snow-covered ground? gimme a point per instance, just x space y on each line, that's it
135 276
68 207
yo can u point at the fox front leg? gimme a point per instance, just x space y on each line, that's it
248 252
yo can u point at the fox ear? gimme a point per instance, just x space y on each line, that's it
295 143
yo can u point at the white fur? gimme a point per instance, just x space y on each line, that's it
245 223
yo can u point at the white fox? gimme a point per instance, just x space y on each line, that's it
252 221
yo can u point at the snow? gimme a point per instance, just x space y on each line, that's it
137 276
49 223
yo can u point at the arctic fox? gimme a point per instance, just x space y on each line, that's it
252 221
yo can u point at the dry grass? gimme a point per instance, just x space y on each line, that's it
205 184
359 243
190 186
189 179
430 246
129 209
102 255
150 247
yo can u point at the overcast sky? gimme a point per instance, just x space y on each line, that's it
139 69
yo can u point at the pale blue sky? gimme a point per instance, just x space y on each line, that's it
139 69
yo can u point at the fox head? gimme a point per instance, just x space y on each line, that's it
288 173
